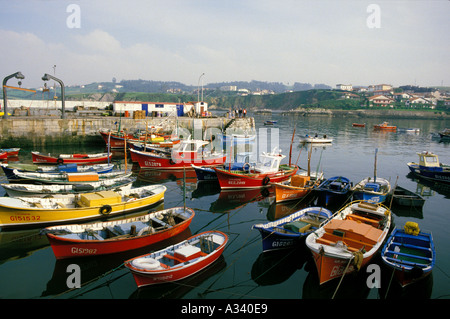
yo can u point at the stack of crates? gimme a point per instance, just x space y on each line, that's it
139 115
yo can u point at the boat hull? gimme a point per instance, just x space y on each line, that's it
39 158
374 191
149 160
430 174
229 180
69 248
15 215
289 232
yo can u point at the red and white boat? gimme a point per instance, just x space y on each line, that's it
267 170
3 155
10 152
178 261
349 240
189 152
39 158
83 240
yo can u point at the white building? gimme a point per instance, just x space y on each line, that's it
162 108
344 87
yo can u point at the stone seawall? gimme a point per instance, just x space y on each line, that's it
37 132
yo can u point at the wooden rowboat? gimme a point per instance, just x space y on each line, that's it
8 169
404 197
83 240
22 212
178 261
286 232
40 158
298 186
410 253
67 178
349 240
56 190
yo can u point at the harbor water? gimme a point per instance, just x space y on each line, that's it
29 270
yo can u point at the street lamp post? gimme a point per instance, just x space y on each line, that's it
17 75
47 77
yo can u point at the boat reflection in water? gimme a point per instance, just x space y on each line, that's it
234 199
96 267
177 290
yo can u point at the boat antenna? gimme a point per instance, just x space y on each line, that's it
290 150
375 166
109 145
184 187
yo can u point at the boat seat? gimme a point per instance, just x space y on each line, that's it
327 242
409 255
372 222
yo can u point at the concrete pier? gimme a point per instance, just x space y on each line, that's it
37 132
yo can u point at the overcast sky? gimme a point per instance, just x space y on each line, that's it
311 41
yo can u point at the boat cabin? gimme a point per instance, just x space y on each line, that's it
269 162
428 160
189 149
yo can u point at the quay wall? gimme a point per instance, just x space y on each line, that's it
384 113
38 132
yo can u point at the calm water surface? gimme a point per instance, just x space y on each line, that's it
29 270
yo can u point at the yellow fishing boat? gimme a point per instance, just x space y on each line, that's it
22 212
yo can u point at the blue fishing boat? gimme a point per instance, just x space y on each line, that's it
286 232
8 169
410 252
242 162
270 122
333 189
374 190
430 168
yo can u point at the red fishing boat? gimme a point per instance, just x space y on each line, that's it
178 261
359 124
268 170
116 236
10 152
385 127
39 158
189 152
3 155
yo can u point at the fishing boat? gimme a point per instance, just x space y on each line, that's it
178 261
55 190
445 133
101 238
372 189
404 197
385 127
39 158
207 173
410 253
333 189
298 186
270 122
10 152
9 168
118 139
67 178
430 168
286 232
22 212
189 152
3 155
359 124
349 240
315 139
265 171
